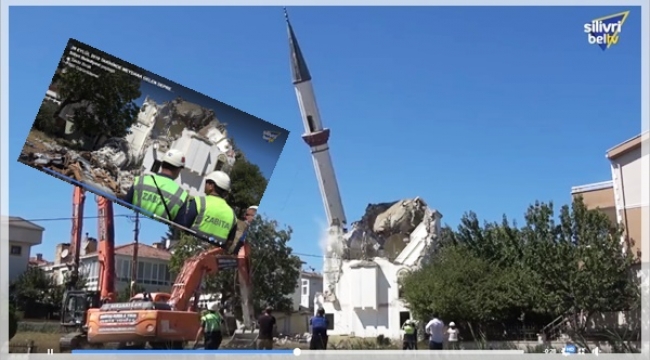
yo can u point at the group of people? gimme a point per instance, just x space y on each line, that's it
436 332
209 216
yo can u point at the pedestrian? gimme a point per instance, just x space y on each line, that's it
453 337
410 340
210 216
435 329
248 218
159 194
211 321
319 327
267 325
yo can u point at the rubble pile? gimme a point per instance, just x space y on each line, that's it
384 229
94 168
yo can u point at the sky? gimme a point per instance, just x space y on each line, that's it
472 109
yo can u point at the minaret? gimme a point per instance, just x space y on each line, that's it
316 136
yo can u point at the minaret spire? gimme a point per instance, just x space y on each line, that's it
299 70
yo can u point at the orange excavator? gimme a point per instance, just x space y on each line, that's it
164 321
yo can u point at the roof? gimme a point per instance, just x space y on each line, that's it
592 187
627 146
20 222
144 251
299 71
36 262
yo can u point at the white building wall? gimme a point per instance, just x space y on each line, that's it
21 240
308 286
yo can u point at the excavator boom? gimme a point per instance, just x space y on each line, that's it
106 249
78 200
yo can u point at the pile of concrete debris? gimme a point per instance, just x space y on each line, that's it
95 168
384 229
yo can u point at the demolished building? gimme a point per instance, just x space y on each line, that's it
361 294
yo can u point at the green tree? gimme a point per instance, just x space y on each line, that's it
102 105
275 270
13 321
45 120
248 184
56 292
574 266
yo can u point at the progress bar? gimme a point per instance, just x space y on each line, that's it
299 352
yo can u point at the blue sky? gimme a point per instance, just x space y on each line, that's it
483 109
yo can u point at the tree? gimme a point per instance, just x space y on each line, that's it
275 269
31 292
573 266
56 292
13 321
103 105
45 120
248 184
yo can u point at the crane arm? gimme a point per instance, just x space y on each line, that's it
106 249
78 200
189 279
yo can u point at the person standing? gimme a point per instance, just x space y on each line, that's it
210 216
319 327
211 322
410 340
436 331
267 325
159 194
452 336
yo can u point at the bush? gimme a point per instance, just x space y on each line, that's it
13 322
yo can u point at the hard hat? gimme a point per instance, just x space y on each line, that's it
219 178
214 306
254 207
174 157
452 324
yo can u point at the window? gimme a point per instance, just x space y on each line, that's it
154 273
305 290
147 273
403 316
140 271
168 275
16 250
311 123
330 321
161 274
126 270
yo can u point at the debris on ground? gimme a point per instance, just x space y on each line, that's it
100 169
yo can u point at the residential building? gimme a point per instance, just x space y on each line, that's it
622 199
23 235
309 284
152 273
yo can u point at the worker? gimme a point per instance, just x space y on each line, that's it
267 329
210 215
248 218
410 340
319 326
211 321
159 194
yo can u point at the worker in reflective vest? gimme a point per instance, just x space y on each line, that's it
210 215
210 328
159 194
319 326
410 340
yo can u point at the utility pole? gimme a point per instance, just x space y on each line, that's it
134 260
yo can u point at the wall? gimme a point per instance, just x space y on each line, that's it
308 286
294 323
368 322
23 238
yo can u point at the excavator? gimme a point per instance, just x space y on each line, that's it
163 321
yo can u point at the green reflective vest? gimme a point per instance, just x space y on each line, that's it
211 322
409 329
146 196
215 218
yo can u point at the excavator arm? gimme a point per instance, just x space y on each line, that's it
189 280
78 200
106 249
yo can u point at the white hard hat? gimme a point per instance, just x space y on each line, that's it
174 157
214 306
452 324
220 178
254 207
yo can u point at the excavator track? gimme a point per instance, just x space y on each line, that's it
72 341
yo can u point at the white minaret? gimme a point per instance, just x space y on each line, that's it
316 136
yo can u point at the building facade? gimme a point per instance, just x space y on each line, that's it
23 235
309 284
152 274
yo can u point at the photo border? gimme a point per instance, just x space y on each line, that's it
645 126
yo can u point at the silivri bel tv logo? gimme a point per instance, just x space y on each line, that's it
605 31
